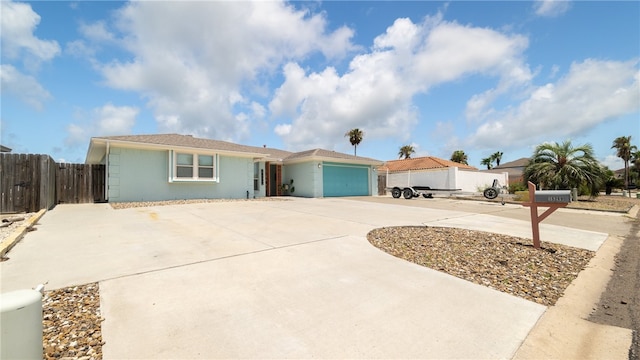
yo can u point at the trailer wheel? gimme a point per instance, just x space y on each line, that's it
490 193
396 193
407 193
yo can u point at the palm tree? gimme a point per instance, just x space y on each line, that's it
355 138
624 149
460 157
497 156
562 166
406 151
635 160
488 161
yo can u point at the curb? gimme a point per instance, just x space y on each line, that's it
629 211
563 331
17 235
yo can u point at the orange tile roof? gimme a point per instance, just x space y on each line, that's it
422 163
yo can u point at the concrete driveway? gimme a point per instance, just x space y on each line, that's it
275 279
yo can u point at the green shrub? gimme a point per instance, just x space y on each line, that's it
513 188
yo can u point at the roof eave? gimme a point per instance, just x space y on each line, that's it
332 159
95 153
152 146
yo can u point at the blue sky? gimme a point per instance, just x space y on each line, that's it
442 76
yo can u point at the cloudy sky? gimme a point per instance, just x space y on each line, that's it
442 76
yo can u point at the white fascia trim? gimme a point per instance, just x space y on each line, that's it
189 149
330 159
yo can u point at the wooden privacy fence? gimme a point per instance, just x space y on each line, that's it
80 183
31 182
382 184
27 182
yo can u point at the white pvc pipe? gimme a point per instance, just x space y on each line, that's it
21 324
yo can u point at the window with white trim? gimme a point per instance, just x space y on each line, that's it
194 167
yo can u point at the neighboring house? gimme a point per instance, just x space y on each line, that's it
438 174
5 149
173 166
515 169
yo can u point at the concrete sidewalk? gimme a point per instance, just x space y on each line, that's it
285 279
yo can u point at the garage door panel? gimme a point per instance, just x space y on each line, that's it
344 180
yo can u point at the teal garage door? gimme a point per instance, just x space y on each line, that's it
344 180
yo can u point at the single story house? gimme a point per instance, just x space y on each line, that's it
515 169
173 166
437 174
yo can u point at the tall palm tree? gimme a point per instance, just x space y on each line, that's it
497 156
406 151
488 161
355 138
563 166
624 149
635 160
460 157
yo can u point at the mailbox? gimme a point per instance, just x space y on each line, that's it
553 196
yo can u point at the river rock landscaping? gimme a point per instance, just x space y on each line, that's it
505 263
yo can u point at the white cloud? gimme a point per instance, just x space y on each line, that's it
188 69
96 36
81 49
76 135
283 129
103 121
589 94
551 8
17 25
24 87
97 31
115 120
377 91
18 22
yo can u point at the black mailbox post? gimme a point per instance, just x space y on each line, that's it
551 199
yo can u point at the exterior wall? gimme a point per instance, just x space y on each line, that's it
479 180
305 178
435 179
449 178
143 175
373 180
516 173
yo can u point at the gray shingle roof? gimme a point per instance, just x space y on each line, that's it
522 162
199 143
327 154
272 154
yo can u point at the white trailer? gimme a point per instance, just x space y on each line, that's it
413 183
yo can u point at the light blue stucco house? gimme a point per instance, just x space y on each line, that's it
173 166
